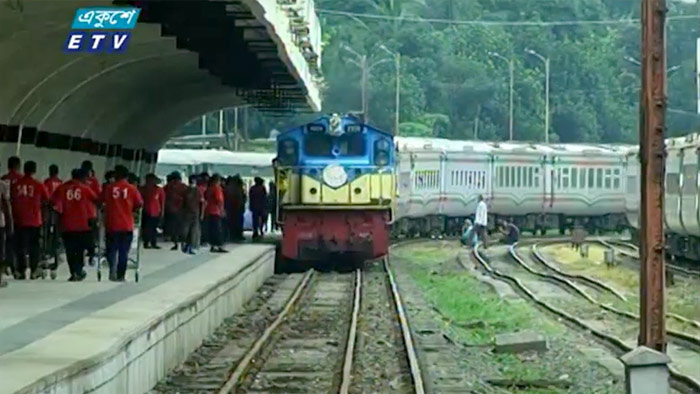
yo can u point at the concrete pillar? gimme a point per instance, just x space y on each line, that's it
646 371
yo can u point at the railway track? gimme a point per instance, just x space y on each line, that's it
631 250
311 342
588 320
601 286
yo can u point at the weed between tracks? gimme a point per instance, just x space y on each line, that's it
472 314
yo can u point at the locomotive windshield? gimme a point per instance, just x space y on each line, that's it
323 145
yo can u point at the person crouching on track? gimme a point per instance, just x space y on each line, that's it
121 199
73 201
511 232
469 237
213 214
28 195
258 203
154 200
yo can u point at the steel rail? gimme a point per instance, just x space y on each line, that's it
244 365
678 379
416 374
540 257
683 339
673 267
346 379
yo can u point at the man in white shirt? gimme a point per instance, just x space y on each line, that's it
481 219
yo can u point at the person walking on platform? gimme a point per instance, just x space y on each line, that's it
235 206
192 215
28 195
154 200
73 201
6 229
121 200
53 182
94 184
174 197
51 240
481 220
12 176
258 202
202 185
272 205
213 213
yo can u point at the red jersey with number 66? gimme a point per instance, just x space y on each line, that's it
73 200
27 196
120 200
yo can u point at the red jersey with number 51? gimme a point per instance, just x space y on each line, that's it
27 196
120 200
73 200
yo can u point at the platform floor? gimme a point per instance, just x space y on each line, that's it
47 325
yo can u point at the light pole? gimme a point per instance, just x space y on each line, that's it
363 65
546 72
397 64
511 69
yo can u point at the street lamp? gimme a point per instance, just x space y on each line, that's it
363 65
546 72
511 68
397 63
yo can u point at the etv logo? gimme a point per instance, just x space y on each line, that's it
101 18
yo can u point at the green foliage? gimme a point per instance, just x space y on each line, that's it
446 68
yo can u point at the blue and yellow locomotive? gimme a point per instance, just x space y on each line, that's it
336 188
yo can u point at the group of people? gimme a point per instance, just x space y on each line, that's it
29 206
207 210
474 233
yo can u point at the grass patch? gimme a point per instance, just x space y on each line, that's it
473 314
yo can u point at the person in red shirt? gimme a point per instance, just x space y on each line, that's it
12 176
120 199
28 194
154 200
214 213
202 184
94 184
174 198
53 182
258 204
72 201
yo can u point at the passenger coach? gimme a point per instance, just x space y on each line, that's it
336 189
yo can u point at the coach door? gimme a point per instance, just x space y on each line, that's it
548 179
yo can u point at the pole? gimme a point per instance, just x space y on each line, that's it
511 66
652 330
546 115
235 128
398 94
204 124
221 122
365 71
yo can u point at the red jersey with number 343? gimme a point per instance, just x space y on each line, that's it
120 200
73 200
27 196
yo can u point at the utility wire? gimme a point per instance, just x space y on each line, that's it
495 23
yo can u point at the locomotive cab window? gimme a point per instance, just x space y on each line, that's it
318 145
673 183
690 173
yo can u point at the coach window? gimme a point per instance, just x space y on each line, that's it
565 178
517 177
537 177
608 180
483 180
558 180
574 178
690 180
582 178
672 183
599 178
512 176
591 178
616 179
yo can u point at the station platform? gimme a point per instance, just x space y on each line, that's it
105 337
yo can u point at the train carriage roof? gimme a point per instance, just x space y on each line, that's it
210 156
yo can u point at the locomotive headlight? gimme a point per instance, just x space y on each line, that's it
334 175
381 158
383 145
